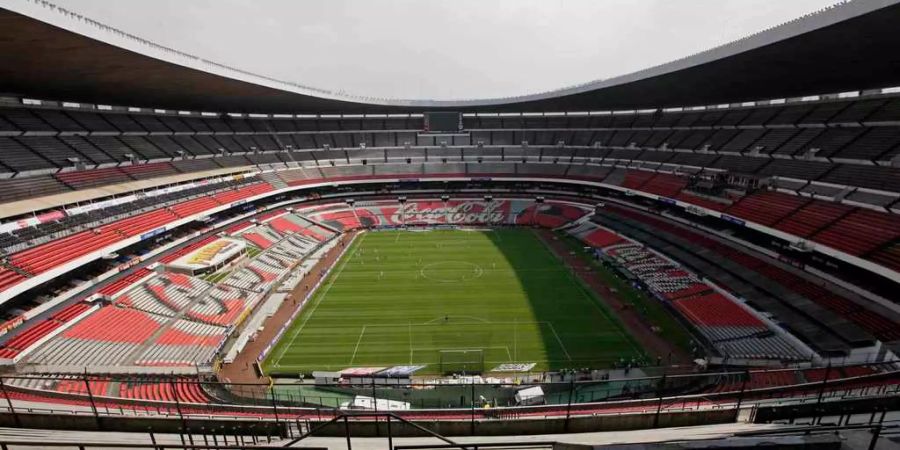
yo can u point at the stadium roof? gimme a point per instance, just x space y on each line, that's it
51 53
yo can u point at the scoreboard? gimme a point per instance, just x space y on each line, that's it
443 122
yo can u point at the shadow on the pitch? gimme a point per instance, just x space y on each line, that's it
555 297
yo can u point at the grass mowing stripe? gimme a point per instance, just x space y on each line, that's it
318 300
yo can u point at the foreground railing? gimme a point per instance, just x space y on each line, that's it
460 402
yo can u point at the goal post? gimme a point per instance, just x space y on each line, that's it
466 361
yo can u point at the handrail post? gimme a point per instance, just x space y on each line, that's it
347 432
177 404
741 395
274 406
818 417
875 435
472 402
12 410
659 390
390 436
569 404
90 394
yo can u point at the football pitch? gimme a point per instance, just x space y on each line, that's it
435 297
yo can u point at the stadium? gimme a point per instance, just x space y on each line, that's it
703 253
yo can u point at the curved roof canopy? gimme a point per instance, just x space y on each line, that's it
51 53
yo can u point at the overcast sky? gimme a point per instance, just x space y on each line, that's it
450 49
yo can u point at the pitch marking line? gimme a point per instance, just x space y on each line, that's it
561 345
316 366
319 302
431 323
477 271
361 333
495 347
591 299
453 317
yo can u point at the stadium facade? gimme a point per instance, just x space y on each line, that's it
751 191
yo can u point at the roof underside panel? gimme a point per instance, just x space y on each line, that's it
43 61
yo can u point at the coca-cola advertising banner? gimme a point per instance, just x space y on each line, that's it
452 212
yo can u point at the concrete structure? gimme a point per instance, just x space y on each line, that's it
841 48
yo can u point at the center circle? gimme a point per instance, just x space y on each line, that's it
451 271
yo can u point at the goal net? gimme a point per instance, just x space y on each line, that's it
465 361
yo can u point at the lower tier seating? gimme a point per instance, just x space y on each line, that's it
880 326
729 327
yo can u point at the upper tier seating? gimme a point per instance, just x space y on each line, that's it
97 177
47 256
36 186
111 136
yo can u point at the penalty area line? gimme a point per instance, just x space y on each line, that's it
561 345
361 333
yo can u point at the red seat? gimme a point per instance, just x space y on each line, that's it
9 278
124 283
257 240
47 256
195 206
715 310
766 207
284 226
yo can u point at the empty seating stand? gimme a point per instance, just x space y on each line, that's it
9 277
888 256
242 193
766 208
880 326
18 158
715 310
860 232
91 178
191 207
35 186
47 256
141 223
124 283
664 185
164 390
145 171
812 217
730 328
25 339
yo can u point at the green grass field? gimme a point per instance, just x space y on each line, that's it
403 297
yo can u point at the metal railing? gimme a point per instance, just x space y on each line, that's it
84 395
